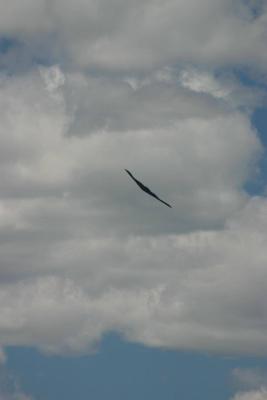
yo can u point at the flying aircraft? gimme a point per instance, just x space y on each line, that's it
146 189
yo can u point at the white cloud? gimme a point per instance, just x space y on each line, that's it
203 83
226 88
53 77
83 251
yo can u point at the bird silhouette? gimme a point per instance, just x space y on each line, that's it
146 189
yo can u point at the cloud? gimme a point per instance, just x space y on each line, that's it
250 378
104 103
203 83
252 395
51 163
84 251
2 356
225 87
158 100
252 381
199 290
135 35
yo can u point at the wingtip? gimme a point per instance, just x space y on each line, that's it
167 204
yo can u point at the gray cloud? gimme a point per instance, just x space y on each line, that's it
135 35
260 394
84 252
252 382
157 100
199 290
2 356
249 378
199 162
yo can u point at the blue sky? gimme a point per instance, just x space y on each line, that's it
120 369
105 292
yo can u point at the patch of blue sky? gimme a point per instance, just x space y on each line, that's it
6 44
121 370
17 56
258 184
255 7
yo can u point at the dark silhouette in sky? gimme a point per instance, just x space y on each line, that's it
146 189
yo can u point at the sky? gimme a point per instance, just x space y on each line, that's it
106 293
